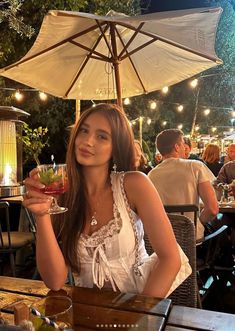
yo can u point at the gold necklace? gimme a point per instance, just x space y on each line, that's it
94 220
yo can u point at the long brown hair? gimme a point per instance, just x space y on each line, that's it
211 153
69 226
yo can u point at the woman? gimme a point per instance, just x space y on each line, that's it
102 234
188 149
211 157
141 163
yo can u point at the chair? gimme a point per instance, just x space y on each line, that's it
187 293
12 241
182 209
209 247
209 273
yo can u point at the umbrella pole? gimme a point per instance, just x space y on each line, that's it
116 65
78 108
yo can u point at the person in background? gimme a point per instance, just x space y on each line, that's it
102 232
230 154
181 181
188 148
141 162
158 158
211 157
226 173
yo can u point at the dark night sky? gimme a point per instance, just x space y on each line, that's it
163 5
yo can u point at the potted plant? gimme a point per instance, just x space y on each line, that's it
34 140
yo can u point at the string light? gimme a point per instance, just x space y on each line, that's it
127 101
165 89
180 126
43 96
19 96
153 105
194 83
180 108
207 111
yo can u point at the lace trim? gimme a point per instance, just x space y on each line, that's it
137 243
108 230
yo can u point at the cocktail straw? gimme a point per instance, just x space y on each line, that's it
53 161
47 320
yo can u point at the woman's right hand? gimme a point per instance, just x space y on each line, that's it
34 200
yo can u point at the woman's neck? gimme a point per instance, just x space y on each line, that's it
96 180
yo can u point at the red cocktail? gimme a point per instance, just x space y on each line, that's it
54 177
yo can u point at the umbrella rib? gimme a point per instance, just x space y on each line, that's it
100 55
54 46
209 57
131 39
85 62
100 59
130 59
105 38
137 49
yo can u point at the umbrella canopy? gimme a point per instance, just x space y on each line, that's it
84 56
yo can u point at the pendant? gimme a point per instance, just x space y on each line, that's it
93 221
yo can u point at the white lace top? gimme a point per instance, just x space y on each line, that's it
107 256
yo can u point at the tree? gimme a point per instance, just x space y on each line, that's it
9 10
56 114
217 84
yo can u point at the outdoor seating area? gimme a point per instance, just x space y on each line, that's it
207 287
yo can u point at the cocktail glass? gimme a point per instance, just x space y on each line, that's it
53 312
54 177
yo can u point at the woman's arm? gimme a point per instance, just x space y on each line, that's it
143 198
50 260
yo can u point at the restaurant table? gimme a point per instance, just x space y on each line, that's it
227 208
25 221
96 309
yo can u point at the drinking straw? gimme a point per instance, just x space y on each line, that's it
47 320
53 161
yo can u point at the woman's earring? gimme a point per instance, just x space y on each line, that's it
114 167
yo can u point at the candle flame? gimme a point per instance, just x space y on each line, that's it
8 176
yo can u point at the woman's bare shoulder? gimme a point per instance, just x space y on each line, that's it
134 180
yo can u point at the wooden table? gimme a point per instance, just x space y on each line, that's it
224 209
107 310
93 309
227 207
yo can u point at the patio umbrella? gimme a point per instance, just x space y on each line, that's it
84 56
